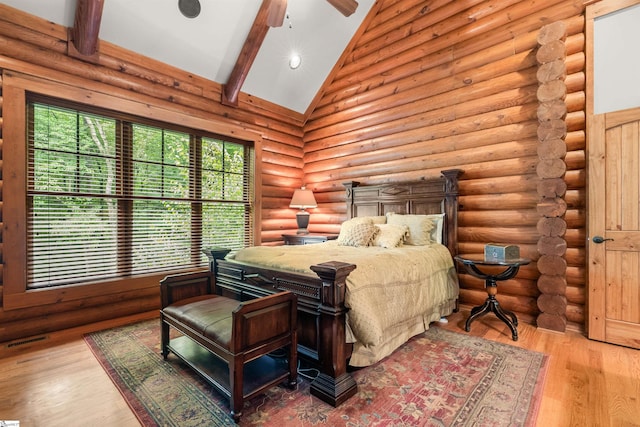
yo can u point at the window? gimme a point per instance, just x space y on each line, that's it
110 196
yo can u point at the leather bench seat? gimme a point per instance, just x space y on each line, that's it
209 315
240 334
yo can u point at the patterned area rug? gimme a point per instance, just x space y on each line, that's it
439 378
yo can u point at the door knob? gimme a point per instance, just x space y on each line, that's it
599 239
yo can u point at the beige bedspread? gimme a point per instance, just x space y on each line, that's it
392 294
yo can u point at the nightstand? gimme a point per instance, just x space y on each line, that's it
307 239
510 268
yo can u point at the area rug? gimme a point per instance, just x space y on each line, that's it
438 378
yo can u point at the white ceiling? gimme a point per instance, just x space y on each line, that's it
209 44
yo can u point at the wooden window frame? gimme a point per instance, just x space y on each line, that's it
16 87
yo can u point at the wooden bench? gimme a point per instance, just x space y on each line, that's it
226 341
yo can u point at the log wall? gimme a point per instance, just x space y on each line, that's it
36 48
438 85
426 86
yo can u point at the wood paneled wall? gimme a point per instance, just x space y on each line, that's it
37 48
445 84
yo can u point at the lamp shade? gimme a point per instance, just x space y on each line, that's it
302 199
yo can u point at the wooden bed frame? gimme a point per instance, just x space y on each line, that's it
321 309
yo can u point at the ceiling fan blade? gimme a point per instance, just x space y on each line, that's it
277 11
346 7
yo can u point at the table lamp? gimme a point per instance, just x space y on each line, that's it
302 199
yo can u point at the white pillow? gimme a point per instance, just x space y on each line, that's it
381 219
436 233
390 235
357 232
420 227
378 219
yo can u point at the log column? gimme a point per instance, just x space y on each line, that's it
552 132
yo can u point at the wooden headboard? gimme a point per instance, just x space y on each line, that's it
428 196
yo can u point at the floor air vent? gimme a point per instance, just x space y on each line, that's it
27 341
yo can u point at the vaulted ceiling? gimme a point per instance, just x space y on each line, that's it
236 43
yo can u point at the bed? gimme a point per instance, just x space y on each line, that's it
336 329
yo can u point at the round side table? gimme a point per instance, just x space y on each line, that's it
471 264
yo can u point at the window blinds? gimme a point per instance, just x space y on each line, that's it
110 197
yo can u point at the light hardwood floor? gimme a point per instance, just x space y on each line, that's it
58 382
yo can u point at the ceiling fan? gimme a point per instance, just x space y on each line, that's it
271 14
277 11
346 7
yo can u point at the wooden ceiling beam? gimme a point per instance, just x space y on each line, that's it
84 36
248 54
346 7
271 14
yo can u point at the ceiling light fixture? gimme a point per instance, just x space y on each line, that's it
294 61
189 8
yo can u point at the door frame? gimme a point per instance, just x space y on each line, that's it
595 125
